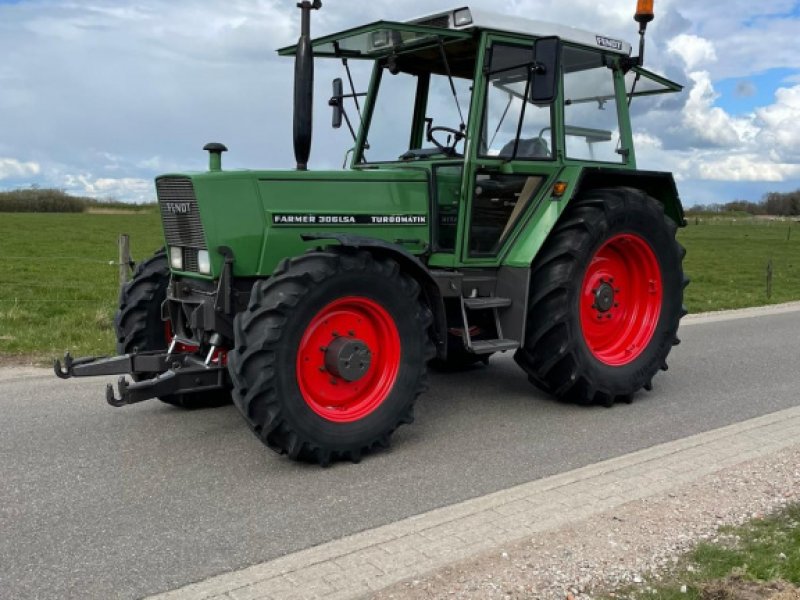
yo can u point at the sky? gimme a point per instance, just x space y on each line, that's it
97 97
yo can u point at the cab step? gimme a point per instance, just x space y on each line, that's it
489 346
485 302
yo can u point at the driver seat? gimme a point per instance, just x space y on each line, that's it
530 148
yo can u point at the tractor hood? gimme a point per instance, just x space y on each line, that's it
261 215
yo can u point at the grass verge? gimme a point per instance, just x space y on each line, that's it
760 559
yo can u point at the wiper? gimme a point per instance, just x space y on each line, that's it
502 119
452 85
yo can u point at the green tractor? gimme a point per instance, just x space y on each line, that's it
492 204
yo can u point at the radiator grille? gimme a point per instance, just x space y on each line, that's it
190 260
180 215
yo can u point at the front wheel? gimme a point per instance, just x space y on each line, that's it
330 355
606 299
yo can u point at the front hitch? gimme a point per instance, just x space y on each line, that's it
164 374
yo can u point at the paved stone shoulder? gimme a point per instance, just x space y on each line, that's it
357 565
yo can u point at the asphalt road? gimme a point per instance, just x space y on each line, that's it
97 502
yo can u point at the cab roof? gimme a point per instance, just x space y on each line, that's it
466 18
386 37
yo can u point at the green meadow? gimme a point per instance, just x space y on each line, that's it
58 273
59 279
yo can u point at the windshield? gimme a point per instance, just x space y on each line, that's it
416 113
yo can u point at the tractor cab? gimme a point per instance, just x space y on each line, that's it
493 108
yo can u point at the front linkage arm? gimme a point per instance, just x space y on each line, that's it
167 374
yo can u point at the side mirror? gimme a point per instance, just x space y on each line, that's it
336 103
547 70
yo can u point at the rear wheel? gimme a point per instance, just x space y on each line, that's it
139 327
330 355
606 299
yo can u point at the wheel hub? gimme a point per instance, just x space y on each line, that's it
348 358
604 297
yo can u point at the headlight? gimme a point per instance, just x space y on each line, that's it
176 258
462 18
203 262
380 39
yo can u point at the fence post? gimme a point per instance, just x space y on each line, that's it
124 258
769 279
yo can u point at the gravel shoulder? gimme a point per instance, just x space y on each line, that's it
619 546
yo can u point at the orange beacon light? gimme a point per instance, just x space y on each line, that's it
644 11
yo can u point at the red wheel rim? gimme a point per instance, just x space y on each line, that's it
354 319
620 301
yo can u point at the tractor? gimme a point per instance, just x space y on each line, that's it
492 204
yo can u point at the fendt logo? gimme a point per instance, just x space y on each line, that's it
609 43
178 208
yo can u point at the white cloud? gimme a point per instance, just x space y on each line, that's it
711 123
781 123
11 168
129 188
645 141
695 51
746 167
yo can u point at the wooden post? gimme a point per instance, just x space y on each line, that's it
124 258
769 279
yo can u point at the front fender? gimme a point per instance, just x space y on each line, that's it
410 265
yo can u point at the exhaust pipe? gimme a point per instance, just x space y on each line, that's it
304 86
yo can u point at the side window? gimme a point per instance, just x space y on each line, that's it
509 111
591 120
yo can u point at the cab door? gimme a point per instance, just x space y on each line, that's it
514 160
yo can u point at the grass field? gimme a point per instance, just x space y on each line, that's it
727 262
58 273
58 279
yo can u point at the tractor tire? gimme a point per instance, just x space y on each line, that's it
606 299
291 366
139 327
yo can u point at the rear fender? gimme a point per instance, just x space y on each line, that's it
659 185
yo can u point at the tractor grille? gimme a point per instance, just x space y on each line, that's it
180 214
190 260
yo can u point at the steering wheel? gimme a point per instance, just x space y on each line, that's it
450 150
